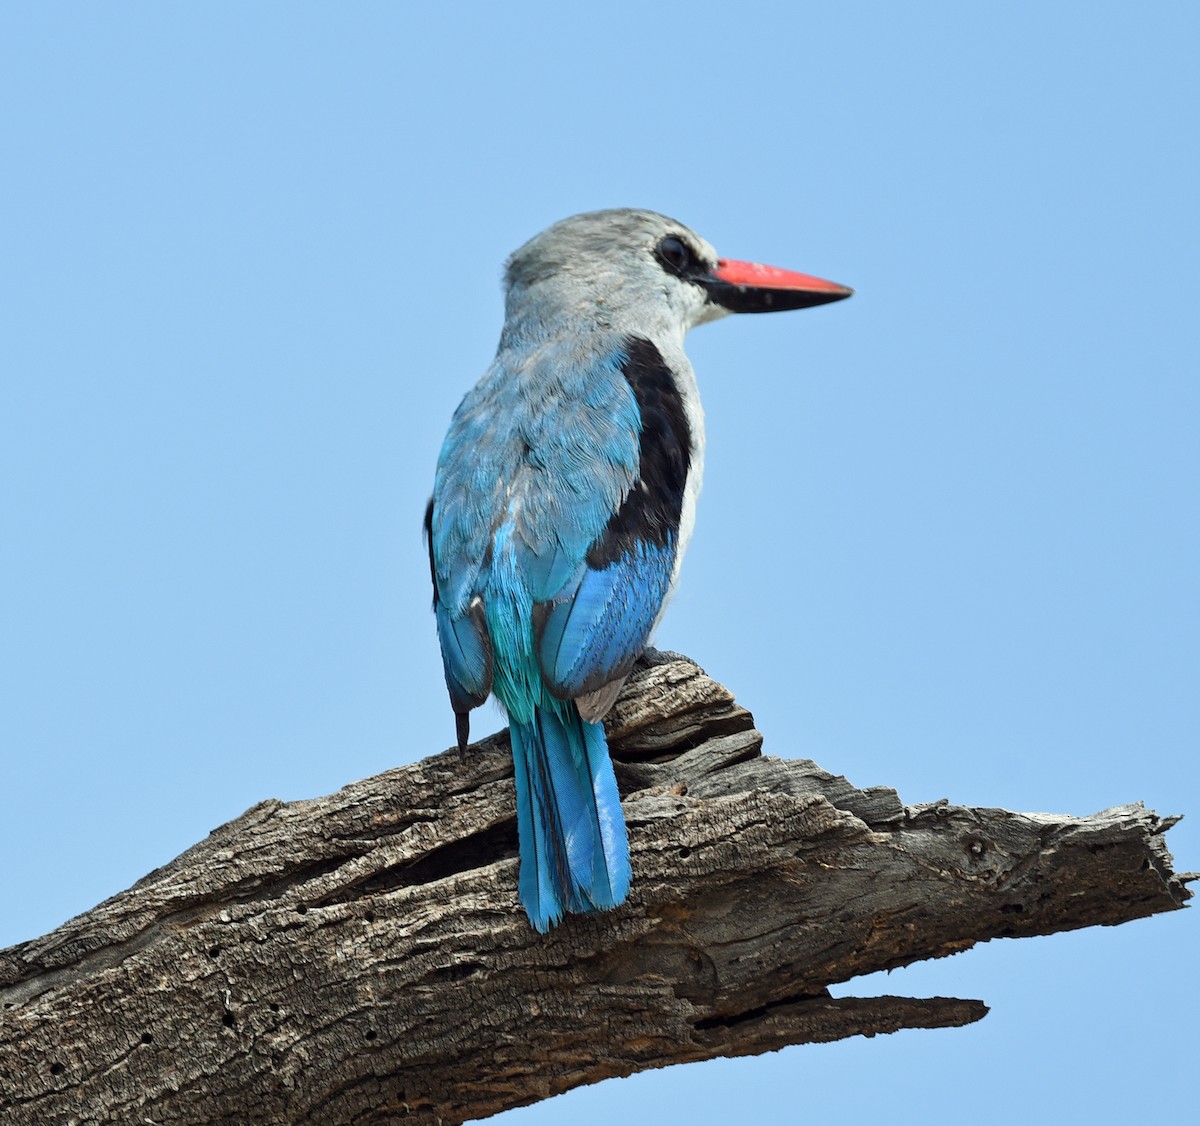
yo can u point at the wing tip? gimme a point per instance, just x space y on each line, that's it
462 730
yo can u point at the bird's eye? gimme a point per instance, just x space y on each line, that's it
674 254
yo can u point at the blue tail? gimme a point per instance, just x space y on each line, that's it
574 851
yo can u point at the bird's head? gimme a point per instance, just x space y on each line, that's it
629 268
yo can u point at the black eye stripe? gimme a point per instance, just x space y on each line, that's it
674 255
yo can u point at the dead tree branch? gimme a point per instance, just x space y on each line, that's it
362 957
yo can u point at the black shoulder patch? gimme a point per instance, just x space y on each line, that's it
651 510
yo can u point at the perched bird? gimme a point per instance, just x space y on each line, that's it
564 499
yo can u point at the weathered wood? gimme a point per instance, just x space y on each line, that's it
362 956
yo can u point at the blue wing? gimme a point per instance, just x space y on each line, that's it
595 627
466 649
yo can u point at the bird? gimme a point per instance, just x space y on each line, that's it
563 501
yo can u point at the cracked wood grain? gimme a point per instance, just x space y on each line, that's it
362 957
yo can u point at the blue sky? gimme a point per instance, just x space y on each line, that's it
948 539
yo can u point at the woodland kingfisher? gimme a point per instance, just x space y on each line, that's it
564 499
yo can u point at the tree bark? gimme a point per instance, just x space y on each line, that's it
363 957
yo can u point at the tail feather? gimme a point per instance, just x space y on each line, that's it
574 849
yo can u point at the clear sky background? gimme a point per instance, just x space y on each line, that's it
249 262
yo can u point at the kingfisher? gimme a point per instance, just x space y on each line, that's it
563 501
